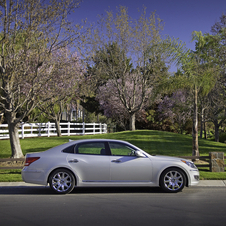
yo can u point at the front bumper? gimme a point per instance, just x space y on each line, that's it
194 177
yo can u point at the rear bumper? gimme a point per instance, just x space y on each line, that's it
33 176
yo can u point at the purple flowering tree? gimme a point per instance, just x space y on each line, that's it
115 103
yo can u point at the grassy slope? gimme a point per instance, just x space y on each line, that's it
153 142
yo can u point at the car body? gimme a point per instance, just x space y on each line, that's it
106 162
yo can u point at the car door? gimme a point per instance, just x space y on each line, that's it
91 162
125 166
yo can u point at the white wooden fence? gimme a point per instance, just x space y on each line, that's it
48 129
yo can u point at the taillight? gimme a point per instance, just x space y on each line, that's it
29 160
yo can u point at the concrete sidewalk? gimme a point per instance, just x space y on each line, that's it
17 184
202 183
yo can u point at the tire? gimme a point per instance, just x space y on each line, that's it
172 180
62 181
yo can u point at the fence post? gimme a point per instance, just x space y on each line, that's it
48 127
94 128
83 128
216 161
68 128
31 129
39 129
100 128
22 130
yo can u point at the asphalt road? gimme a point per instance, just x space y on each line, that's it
37 205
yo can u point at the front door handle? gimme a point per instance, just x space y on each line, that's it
116 160
73 161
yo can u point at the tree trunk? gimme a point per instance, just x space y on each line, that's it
14 140
132 120
195 146
202 123
2 118
216 128
57 125
205 134
181 131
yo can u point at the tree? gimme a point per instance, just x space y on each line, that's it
217 96
216 111
109 99
66 76
30 32
123 56
198 73
92 105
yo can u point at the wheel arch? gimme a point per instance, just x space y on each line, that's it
175 167
65 168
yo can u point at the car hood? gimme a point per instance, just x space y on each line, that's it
166 158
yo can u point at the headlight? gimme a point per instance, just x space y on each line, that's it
191 164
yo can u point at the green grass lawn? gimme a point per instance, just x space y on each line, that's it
153 142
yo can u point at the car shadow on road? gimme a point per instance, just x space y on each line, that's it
105 190
45 190
25 190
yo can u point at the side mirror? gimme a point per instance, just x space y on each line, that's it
139 154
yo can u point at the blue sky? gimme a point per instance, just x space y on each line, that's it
181 17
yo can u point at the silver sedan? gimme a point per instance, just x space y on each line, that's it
105 162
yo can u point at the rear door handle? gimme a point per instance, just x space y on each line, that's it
73 161
116 160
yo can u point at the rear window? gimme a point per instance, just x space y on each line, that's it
69 149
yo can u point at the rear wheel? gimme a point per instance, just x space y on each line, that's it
62 181
172 180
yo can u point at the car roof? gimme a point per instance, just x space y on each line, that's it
97 140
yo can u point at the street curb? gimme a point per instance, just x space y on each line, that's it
202 183
18 184
212 183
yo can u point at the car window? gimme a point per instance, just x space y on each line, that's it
69 149
91 148
121 149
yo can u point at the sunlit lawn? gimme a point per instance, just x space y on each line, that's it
153 142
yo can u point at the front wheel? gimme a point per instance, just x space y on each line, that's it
172 180
62 181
